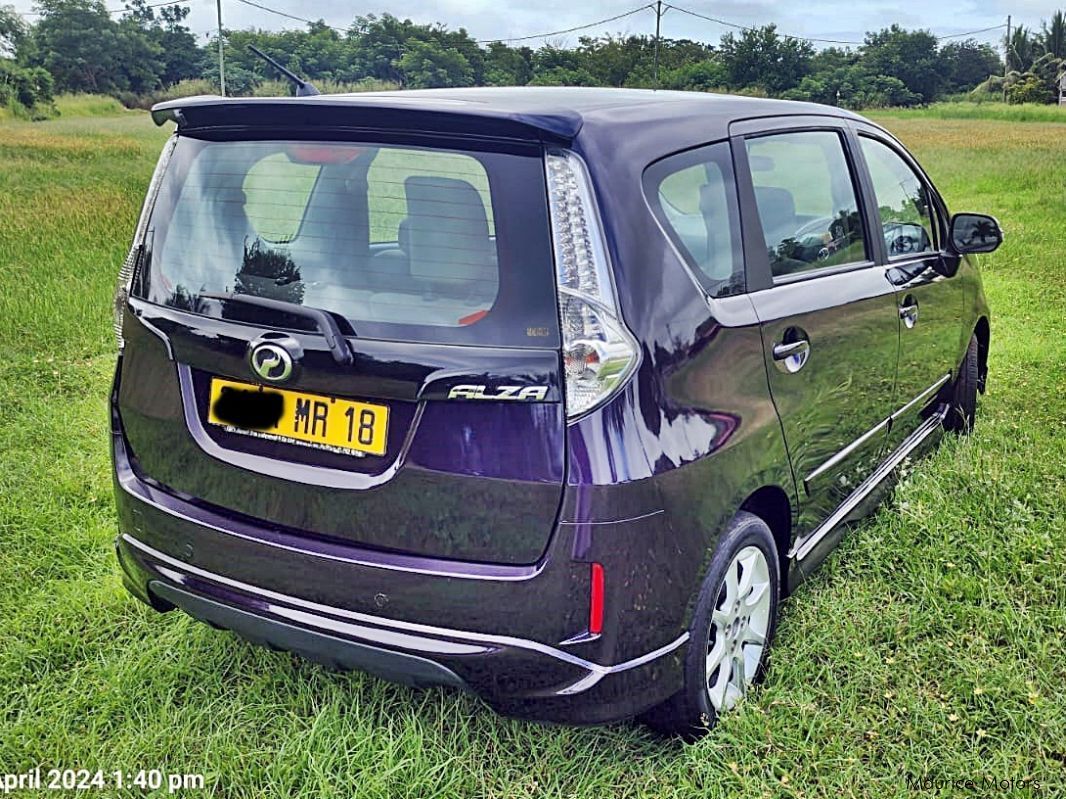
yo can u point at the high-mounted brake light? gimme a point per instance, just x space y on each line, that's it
596 600
599 353
129 266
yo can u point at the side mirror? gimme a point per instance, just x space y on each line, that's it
975 233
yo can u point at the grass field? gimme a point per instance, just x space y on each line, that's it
930 646
985 111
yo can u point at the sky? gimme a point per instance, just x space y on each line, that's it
845 21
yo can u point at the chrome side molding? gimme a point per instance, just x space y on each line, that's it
880 427
925 395
803 547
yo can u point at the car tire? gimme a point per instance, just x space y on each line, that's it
721 626
963 410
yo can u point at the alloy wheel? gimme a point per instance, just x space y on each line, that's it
738 630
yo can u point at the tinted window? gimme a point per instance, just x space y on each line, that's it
694 197
806 200
902 200
404 242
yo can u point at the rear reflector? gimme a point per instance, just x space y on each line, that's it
596 600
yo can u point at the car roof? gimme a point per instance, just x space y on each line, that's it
666 120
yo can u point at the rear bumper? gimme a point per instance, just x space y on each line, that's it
515 676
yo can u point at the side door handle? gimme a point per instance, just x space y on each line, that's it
908 311
791 356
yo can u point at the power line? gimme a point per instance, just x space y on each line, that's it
623 15
971 33
122 10
576 28
287 15
568 30
153 5
738 26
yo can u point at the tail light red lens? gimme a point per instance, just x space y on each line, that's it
596 600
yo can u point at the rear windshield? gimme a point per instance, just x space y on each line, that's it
403 242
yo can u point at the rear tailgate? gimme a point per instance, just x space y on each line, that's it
444 435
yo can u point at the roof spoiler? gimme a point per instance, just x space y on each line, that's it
395 111
166 112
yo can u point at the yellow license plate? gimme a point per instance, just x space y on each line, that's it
312 419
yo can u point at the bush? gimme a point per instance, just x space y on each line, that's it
185 88
700 76
88 105
1030 89
26 91
283 88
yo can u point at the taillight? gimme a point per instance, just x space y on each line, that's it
129 266
599 353
596 600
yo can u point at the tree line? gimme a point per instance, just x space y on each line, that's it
145 54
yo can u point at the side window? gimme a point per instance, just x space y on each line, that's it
694 198
807 201
902 200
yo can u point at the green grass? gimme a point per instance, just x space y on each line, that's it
931 644
1025 112
89 105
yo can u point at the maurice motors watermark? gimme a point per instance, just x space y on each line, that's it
1027 786
41 779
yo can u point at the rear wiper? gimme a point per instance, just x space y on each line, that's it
324 321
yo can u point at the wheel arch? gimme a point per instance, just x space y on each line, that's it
771 503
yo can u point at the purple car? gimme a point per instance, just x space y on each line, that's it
547 394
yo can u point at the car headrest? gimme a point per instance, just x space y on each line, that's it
777 211
447 232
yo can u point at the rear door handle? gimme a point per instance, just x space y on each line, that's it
908 312
783 351
792 356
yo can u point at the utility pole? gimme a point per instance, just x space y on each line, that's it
1006 59
658 31
221 57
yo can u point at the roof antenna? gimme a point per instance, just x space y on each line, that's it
303 87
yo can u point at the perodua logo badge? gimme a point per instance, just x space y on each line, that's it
271 362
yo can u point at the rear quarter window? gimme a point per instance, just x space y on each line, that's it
693 196
402 242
